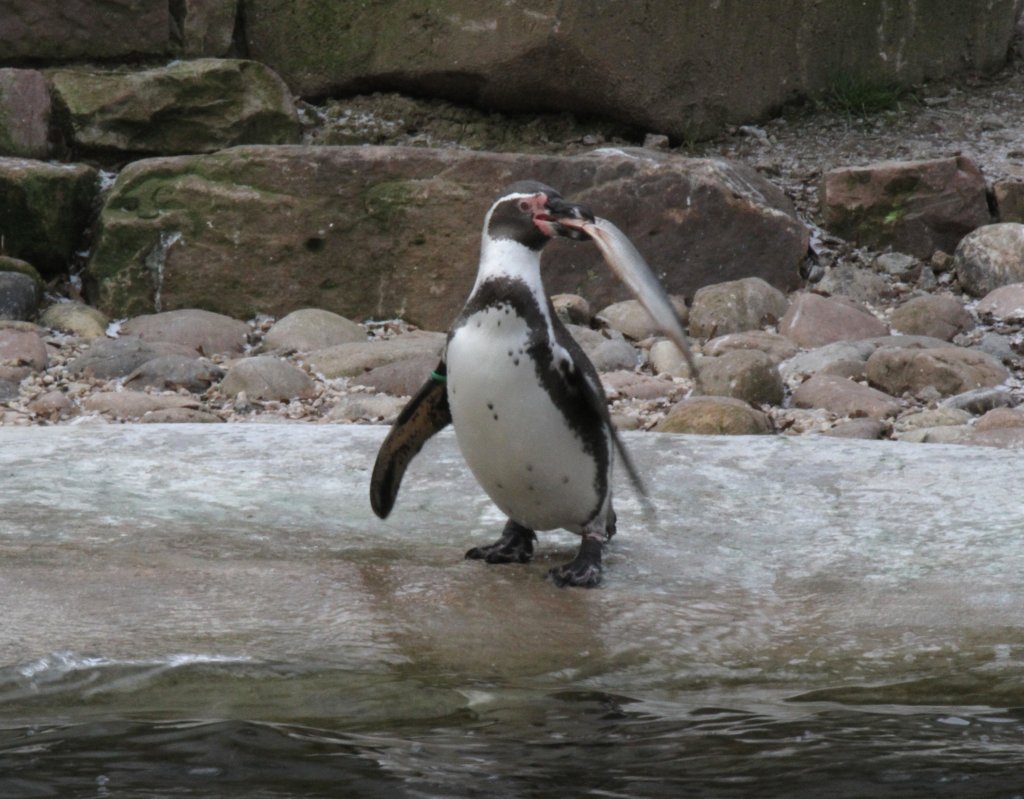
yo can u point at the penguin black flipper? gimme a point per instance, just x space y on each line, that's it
425 414
588 383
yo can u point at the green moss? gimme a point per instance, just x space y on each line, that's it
385 202
859 96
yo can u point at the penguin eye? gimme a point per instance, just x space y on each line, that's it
524 206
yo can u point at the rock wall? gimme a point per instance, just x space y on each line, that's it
89 82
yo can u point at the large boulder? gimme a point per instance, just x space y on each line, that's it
44 210
393 231
813 320
184 107
678 68
64 30
25 112
913 206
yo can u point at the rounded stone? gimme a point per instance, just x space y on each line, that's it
748 375
630 318
202 331
938 316
990 257
311 329
714 416
19 296
174 372
265 377
1005 303
813 320
736 306
75 318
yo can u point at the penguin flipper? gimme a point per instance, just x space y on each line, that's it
425 414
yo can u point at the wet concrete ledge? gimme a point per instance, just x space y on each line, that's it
858 571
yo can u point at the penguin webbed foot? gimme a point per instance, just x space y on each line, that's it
514 546
585 570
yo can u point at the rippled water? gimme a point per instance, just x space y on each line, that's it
216 613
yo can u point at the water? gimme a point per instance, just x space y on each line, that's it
202 612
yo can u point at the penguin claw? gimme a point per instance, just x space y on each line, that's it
584 571
514 546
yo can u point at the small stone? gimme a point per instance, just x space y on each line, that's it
312 329
607 349
656 141
265 377
666 359
366 408
173 372
855 283
896 264
932 417
630 385
53 405
778 348
714 416
870 429
22 348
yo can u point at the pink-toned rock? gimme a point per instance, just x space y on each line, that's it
623 383
52 405
134 404
1005 303
401 378
990 257
1000 418
870 429
22 349
844 397
913 206
813 320
948 370
25 111
776 347
936 315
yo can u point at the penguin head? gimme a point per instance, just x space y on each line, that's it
530 213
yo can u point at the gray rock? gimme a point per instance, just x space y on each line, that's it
350 360
980 400
1005 438
735 306
869 429
190 106
896 264
813 320
665 358
748 375
944 434
265 377
998 346
916 207
820 358
943 416
844 397
1009 196
311 329
990 257
607 349
714 416
45 210
180 416
630 385
75 318
207 27
778 348
201 331
109 358
367 408
8 389
402 378
174 372
947 370
933 315
630 318
19 296
25 113
855 283
1005 303
183 229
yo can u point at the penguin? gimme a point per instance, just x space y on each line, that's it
529 412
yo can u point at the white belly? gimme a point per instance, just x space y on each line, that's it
514 439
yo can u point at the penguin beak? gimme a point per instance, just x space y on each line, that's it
558 211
